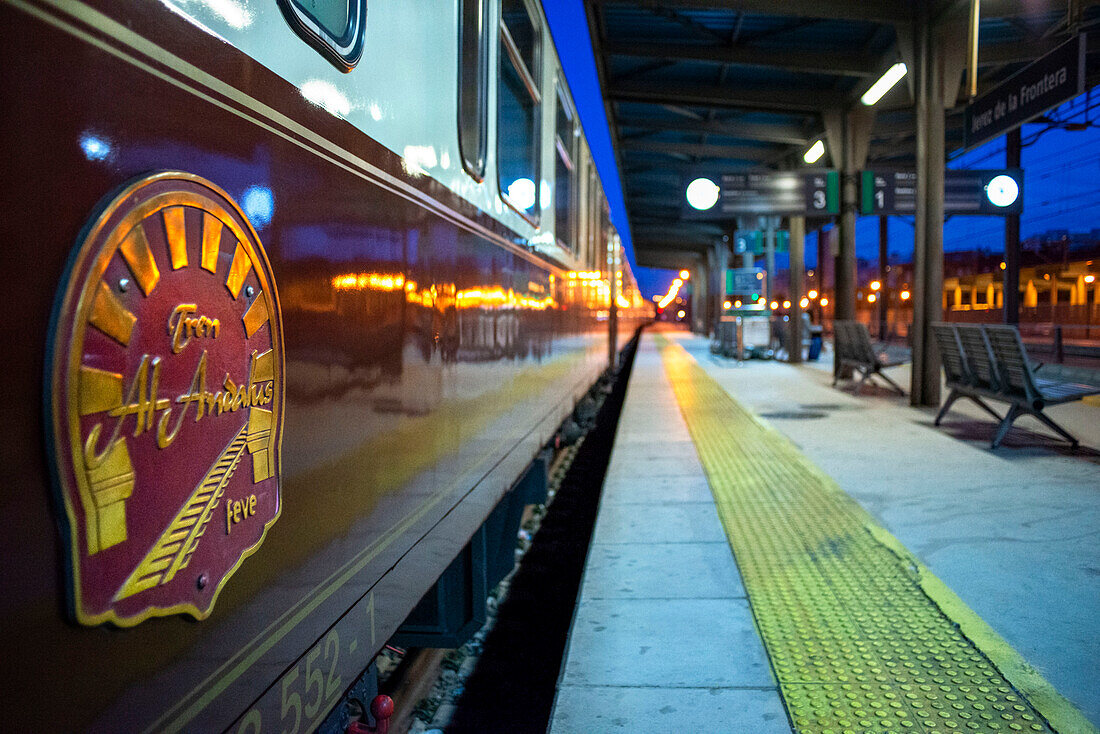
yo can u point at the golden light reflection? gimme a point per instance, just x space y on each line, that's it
433 296
497 297
595 291
369 281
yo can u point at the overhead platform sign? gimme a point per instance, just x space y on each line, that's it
790 193
1047 82
745 282
979 192
753 241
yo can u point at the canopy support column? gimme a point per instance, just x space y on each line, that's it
798 268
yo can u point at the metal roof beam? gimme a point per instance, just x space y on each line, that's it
997 54
669 259
700 95
675 242
1015 8
666 226
791 60
779 133
701 150
880 11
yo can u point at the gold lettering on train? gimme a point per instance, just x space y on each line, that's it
239 510
143 401
183 327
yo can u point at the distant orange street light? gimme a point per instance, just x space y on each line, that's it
905 295
685 274
875 285
824 301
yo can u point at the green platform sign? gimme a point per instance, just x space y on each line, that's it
993 192
745 282
753 241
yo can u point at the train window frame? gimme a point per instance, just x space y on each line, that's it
479 126
565 151
342 51
530 78
594 196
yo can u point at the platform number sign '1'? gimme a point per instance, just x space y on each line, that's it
166 401
973 192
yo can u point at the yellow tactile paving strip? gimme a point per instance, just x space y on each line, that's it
861 636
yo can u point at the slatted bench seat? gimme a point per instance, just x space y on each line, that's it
854 349
991 362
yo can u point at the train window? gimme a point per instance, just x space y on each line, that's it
565 174
518 100
473 85
333 27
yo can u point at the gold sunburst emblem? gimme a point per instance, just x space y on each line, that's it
166 394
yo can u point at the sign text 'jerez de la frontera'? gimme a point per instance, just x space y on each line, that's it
1049 81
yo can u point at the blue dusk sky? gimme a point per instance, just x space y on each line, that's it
1061 168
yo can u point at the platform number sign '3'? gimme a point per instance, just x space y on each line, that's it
165 401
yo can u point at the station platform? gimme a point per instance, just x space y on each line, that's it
773 554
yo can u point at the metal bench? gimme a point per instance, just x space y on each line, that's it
961 377
992 363
854 349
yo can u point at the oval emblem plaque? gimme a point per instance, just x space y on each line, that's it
166 394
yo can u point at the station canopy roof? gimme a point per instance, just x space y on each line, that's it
740 85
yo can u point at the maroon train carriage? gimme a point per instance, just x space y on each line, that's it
289 321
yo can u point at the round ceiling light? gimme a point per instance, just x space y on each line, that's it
702 194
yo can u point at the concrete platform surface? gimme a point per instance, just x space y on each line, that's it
1014 532
663 639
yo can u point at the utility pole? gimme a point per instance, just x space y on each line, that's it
883 274
1011 287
